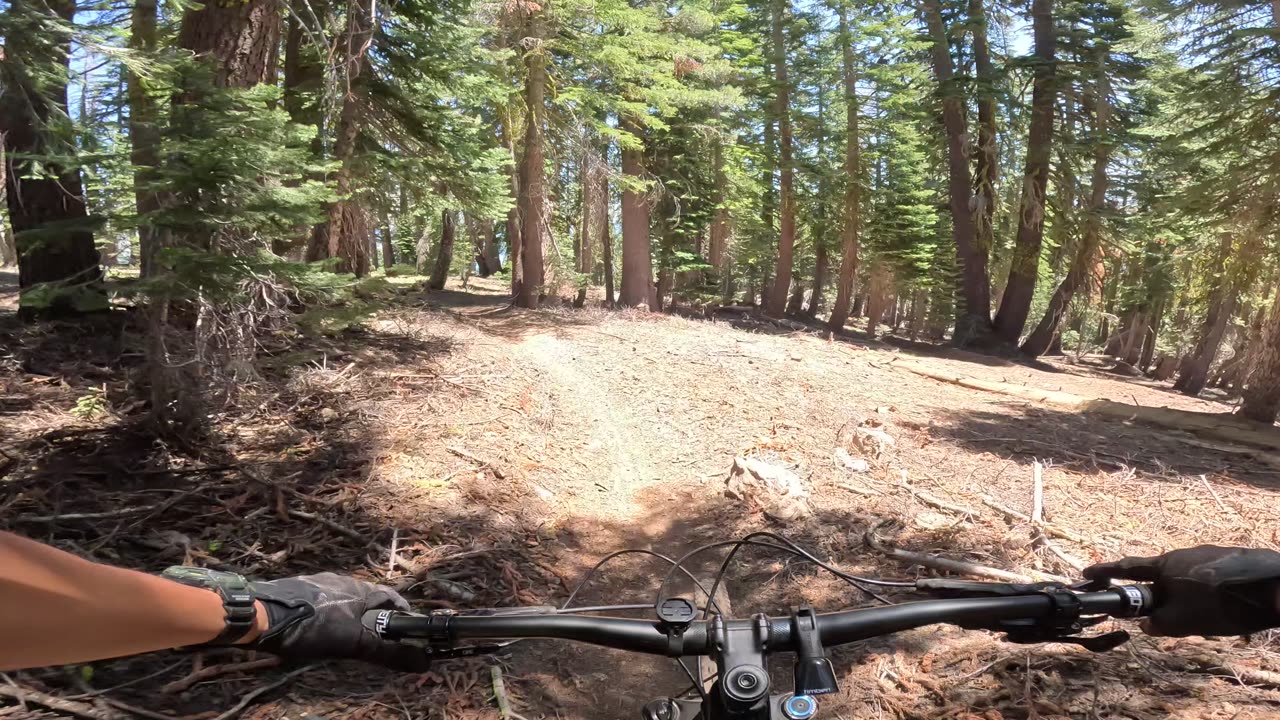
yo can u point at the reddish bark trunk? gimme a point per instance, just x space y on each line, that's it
51 225
637 263
973 316
777 305
852 216
1024 270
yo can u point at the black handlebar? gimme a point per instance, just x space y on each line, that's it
445 630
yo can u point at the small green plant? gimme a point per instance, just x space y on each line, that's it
90 405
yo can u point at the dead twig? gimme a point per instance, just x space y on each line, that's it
418 572
937 502
1204 480
1037 493
213 671
24 695
954 566
334 526
500 692
1053 530
482 463
250 697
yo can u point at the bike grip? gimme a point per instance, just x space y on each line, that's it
379 622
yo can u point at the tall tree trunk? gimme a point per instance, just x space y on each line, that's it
592 167
637 263
349 243
389 247
821 264
986 154
8 252
515 247
880 285
303 86
144 134
533 189
777 305
718 243
444 252
51 227
422 251
973 316
1082 266
852 192
605 234
1262 391
1020 289
1195 372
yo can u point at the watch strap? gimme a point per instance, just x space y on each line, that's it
240 611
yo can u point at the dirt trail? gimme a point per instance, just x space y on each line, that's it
509 450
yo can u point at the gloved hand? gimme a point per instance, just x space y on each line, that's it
1205 590
314 617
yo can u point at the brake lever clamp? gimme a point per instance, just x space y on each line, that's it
1061 624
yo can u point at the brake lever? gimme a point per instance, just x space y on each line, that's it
1060 626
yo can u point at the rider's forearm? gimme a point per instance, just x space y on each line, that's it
56 608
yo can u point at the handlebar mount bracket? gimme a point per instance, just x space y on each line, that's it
1062 624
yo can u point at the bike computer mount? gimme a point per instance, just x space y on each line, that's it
742 689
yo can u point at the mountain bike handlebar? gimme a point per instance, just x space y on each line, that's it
444 629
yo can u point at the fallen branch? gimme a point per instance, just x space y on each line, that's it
482 463
1214 665
868 492
250 697
937 502
106 515
332 525
418 572
500 693
955 566
1204 479
23 695
1037 493
1053 530
213 671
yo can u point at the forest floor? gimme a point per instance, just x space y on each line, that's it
477 455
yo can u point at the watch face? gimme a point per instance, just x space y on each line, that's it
206 578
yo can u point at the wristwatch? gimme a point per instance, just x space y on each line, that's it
238 600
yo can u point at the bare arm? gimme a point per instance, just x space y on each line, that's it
56 608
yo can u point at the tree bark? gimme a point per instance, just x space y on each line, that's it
718 243
514 245
1195 373
973 316
1082 265
303 86
388 248
422 251
605 232
592 167
986 154
637 263
241 40
880 285
533 191
1024 270
1262 390
52 231
144 135
444 252
821 265
777 305
349 243
852 191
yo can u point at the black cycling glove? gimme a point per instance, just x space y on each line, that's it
1205 590
315 617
